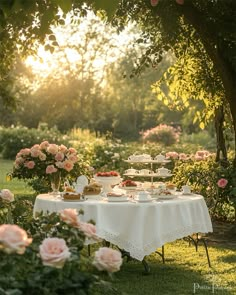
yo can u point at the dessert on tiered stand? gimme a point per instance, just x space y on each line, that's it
161 173
107 180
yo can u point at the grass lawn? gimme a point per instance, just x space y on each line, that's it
185 271
18 187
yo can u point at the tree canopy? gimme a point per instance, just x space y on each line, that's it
202 35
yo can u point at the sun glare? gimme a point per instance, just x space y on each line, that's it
75 51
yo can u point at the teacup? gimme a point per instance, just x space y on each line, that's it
146 157
144 171
160 158
186 189
133 158
131 171
143 195
163 171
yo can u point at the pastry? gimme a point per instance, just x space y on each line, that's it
107 174
71 196
93 188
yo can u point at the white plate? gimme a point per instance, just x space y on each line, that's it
92 197
144 201
127 188
186 194
72 200
117 199
166 197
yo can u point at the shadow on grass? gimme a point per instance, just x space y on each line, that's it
166 279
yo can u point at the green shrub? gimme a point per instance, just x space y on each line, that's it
15 138
203 177
203 139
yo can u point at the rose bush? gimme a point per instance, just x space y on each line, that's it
212 180
48 257
38 164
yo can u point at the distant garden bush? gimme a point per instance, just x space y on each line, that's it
13 139
163 134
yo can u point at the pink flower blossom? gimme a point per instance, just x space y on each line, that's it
7 195
173 155
154 2
59 156
198 158
30 164
59 164
68 165
72 150
73 158
107 259
13 239
222 182
70 216
52 149
54 252
180 2
51 169
43 145
183 157
62 148
42 156
35 153
24 152
19 161
88 229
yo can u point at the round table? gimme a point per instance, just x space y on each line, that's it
139 228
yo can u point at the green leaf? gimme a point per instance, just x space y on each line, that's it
65 5
107 5
202 125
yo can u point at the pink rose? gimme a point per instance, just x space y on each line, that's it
73 158
25 152
107 259
59 156
54 252
72 150
43 145
52 149
7 195
30 164
198 158
70 216
42 156
13 239
89 230
59 164
35 153
19 161
180 2
51 169
172 155
62 148
68 165
222 182
183 156
154 2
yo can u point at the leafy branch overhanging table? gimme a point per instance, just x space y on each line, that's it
138 228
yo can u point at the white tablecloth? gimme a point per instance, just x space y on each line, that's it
139 228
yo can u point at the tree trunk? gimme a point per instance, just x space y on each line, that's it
221 64
220 140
